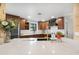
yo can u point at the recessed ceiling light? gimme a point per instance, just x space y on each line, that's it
29 17
59 19
43 20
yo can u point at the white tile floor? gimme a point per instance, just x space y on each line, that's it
31 47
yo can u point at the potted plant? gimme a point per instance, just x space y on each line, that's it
7 26
59 35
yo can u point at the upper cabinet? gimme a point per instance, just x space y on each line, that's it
60 22
14 18
43 25
24 25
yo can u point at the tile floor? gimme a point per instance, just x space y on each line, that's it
32 47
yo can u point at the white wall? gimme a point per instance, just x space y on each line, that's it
69 25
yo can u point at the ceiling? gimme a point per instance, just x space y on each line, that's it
38 11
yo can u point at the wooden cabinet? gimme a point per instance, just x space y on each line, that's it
42 25
27 25
24 25
12 17
60 22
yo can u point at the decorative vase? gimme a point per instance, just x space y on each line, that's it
2 35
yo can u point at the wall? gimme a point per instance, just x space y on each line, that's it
2 11
68 25
2 17
76 20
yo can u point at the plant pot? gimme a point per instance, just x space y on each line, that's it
58 36
2 36
8 36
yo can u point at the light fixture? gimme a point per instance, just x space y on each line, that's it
59 19
39 13
29 17
43 20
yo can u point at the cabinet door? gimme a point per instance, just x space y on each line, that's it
42 25
60 22
24 25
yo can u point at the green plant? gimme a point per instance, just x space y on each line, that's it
7 25
59 33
